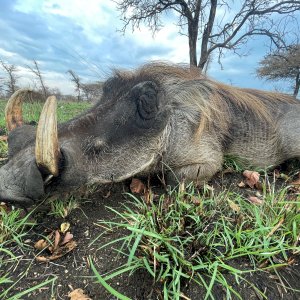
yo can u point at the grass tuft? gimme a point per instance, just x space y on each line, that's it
3 149
61 208
235 163
14 226
184 236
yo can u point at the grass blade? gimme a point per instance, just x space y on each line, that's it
110 289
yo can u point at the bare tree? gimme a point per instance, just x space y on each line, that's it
92 91
55 92
77 83
215 25
282 64
11 82
36 71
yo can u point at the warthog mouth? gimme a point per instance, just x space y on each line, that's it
142 168
114 178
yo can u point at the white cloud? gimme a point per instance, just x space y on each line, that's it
167 37
90 15
28 6
60 81
6 54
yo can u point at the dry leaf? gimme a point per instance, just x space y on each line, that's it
64 227
41 244
65 212
59 252
3 138
136 186
42 259
68 237
181 188
241 184
59 247
148 196
255 200
291 261
78 294
63 250
56 239
234 206
252 177
296 182
276 227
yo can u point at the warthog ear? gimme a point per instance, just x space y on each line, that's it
146 95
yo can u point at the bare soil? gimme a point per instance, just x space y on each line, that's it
73 270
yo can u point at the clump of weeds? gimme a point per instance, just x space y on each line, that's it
185 235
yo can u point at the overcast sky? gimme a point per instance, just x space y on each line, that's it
83 35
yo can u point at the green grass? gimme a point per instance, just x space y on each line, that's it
31 111
61 208
14 228
3 149
185 236
234 163
20 295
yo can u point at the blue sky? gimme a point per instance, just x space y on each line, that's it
83 35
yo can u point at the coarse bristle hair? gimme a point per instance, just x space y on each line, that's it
203 100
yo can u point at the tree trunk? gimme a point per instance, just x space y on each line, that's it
206 35
193 35
297 85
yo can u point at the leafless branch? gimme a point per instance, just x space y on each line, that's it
36 71
198 18
77 83
11 82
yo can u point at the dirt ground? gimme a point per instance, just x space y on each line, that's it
73 271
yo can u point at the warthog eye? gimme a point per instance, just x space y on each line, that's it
146 95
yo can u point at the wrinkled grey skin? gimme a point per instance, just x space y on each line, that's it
145 122
114 140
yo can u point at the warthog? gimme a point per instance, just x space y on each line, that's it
158 117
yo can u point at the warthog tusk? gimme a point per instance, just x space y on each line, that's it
13 109
47 152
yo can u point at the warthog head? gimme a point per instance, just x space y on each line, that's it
120 136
